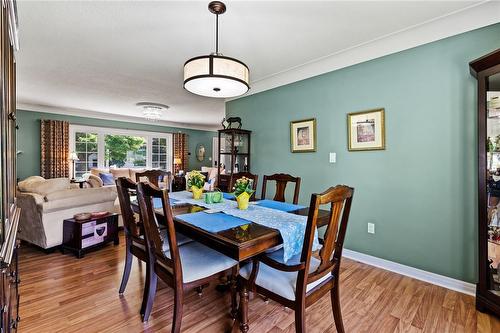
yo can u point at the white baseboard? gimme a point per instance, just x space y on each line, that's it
439 280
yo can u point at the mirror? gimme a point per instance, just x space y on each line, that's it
200 152
493 181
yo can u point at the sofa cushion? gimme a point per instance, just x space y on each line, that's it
97 171
62 194
45 186
134 171
107 178
120 172
81 197
29 183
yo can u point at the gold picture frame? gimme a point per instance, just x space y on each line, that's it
366 130
303 136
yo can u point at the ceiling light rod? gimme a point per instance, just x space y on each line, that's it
217 8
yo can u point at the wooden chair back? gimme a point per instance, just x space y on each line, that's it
236 176
154 175
281 179
339 198
146 192
131 226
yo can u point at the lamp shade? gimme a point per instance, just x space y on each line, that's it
177 161
73 157
216 76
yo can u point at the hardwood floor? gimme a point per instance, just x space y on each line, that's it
60 293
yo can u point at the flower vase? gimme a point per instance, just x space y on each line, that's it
197 192
243 200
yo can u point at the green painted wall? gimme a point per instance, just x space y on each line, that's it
28 138
421 191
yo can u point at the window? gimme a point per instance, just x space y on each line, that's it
159 153
125 151
86 149
99 147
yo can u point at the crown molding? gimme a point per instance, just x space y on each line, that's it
109 116
470 18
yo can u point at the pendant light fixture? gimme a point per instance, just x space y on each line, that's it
216 75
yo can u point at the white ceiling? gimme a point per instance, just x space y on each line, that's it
100 58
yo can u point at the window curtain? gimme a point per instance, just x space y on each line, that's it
54 148
181 150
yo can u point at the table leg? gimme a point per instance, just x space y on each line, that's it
233 282
243 308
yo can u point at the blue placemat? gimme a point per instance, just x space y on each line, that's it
214 222
228 196
283 206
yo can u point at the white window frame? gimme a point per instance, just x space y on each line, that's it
103 131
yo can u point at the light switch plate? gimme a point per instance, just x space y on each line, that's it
371 228
333 157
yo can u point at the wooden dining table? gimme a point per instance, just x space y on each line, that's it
239 243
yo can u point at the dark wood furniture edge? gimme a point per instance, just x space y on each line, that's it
480 69
487 61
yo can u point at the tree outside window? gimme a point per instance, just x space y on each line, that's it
124 151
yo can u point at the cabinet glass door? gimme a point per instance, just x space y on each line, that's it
226 143
241 143
493 181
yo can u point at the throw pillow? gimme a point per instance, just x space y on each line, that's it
107 178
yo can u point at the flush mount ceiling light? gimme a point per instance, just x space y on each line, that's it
216 75
152 111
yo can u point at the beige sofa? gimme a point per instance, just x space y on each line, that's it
45 203
93 179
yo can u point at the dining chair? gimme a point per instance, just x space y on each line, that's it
153 177
184 267
304 279
236 176
282 179
135 243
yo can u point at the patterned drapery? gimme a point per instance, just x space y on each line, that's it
181 151
54 138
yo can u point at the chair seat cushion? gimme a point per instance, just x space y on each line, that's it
199 261
279 282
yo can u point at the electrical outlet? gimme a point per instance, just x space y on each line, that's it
371 228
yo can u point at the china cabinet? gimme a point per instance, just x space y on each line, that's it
9 213
233 155
487 72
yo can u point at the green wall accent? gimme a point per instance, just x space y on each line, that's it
420 192
28 138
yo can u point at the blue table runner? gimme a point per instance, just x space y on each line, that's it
213 222
283 206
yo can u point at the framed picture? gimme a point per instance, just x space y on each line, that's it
366 130
303 136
